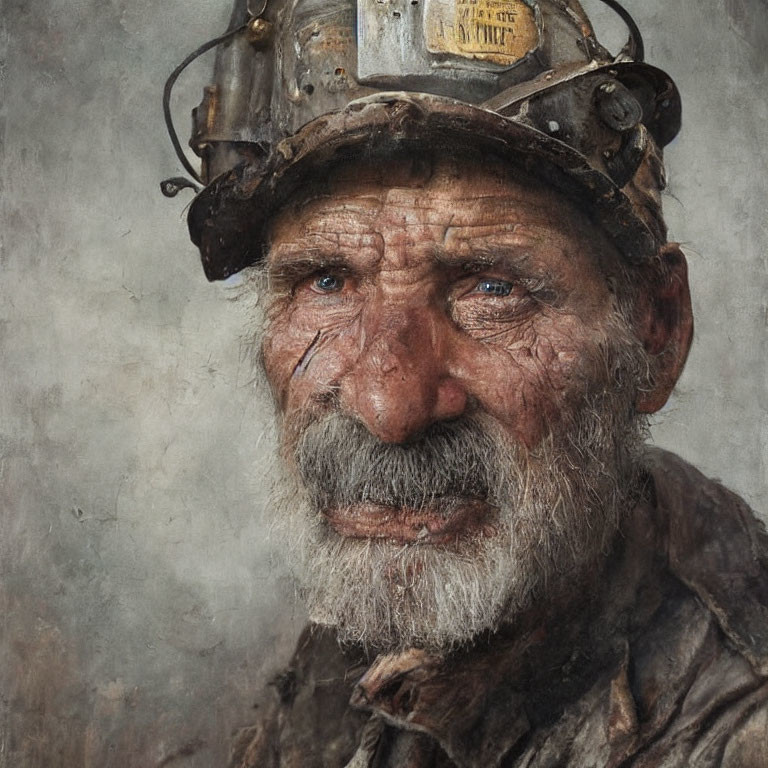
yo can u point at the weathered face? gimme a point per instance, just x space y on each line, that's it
444 347
409 300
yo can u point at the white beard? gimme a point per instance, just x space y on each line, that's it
558 510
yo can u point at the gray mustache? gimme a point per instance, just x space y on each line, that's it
341 463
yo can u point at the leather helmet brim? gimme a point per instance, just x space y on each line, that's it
229 219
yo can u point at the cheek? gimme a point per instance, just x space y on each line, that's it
531 382
303 359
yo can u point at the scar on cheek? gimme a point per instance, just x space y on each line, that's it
306 358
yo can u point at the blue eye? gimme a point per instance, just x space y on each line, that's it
328 283
494 287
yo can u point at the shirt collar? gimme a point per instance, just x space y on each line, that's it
480 704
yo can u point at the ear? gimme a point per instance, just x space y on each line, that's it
665 327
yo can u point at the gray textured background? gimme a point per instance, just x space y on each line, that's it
142 607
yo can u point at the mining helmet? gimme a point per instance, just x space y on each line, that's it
300 85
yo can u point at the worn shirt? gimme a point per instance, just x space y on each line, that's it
658 658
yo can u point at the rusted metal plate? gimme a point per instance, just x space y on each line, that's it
425 38
498 31
390 41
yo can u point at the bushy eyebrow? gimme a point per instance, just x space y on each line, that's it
517 261
291 264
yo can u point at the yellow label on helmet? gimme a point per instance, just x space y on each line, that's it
498 31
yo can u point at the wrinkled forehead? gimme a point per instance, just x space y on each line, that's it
454 202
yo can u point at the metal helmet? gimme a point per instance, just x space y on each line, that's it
302 84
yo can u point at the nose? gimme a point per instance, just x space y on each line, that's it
400 384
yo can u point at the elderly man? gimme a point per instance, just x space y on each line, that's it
469 308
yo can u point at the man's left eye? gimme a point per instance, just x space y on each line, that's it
494 287
328 283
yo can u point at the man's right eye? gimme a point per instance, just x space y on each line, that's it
327 283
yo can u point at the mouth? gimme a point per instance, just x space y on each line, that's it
442 521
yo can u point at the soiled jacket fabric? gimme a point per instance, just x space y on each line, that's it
659 660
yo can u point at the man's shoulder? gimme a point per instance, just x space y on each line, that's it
718 547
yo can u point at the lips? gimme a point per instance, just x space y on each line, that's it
442 521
